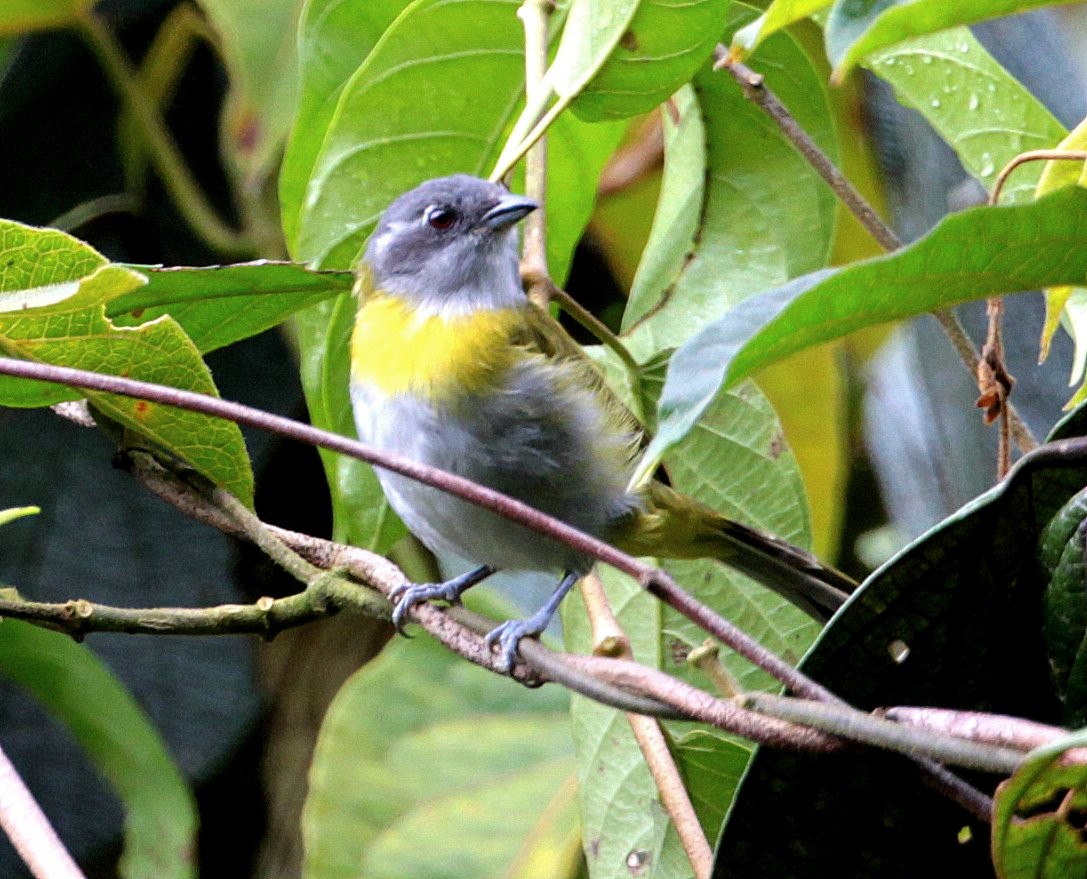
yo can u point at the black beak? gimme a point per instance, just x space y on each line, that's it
509 210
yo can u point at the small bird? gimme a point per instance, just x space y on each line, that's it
452 366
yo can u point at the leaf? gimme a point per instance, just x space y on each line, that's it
591 33
760 217
1065 303
664 44
412 111
218 305
712 767
13 513
21 16
778 15
576 155
970 255
377 804
986 116
622 821
855 30
1035 828
334 39
965 600
74 685
53 294
257 39
735 461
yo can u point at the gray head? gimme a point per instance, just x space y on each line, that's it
450 245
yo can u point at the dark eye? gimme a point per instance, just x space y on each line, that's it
439 217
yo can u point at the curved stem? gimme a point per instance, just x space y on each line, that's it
29 829
162 150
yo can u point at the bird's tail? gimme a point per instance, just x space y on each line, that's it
673 525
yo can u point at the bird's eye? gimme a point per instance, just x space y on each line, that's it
438 217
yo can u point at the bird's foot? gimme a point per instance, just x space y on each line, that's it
508 635
405 596
510 632
408 595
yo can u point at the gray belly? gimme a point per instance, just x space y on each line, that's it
536 440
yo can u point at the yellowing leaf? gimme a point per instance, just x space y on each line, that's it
1067 305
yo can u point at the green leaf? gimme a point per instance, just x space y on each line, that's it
779 14
427 766
53 294
754 217
664 44
970 255
1066 304
74 685
20 16
621 815
361 515
257 39
412 111
712 766
1035 831
13 513
964 601
334 39
218 305
855 29
986 116
592 32
576 155
736 461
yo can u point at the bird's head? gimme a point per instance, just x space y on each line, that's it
450 245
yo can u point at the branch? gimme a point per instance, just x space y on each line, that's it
849 723
754 88
609 639
657 582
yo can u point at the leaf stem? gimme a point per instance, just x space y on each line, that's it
535 14
162 150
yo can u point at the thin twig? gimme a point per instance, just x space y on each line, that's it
996 729
655 581
755 90
1033 156
585 318
635 161
609 639
29 829
849 723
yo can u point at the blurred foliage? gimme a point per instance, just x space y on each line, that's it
733 261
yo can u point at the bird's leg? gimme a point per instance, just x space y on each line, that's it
510 632
407 595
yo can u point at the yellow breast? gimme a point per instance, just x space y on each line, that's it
398 349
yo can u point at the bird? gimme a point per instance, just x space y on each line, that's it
451 365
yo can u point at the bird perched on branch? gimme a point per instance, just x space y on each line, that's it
452 366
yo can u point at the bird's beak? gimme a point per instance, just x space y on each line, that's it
508 210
